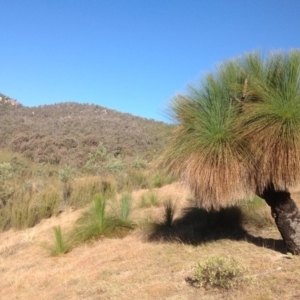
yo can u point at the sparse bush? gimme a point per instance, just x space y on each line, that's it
126 201
144 202
113 164
148 200
153 199
65 175
139 163
60 246
219 272
97 222
6 187
160 179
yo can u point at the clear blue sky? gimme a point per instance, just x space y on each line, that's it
130 55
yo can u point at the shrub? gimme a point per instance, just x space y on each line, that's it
153 199
219 272
159 180
148 200
126 201
143 202
65 175
97 222
60 246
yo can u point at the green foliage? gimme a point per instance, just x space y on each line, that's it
144 202
103 162
139 163
126 203
6 171
148 200
6 187
96 159
153 199
161 179
60 246
113 164
219 272
65 174
238 130
97 223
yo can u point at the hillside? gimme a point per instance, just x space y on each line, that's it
60 156
66 133
137 268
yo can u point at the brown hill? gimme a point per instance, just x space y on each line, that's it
66 133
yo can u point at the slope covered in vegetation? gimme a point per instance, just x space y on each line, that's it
66 133
60 156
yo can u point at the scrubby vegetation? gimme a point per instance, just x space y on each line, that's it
59 156
220 272
70 134
122 200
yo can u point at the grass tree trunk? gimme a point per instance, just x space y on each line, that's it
286 215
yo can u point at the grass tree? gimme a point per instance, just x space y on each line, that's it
238 134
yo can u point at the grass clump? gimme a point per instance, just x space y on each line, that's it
169 213
60 245
148 200
219 272
97 222
126 202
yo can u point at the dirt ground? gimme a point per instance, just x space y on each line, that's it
134 267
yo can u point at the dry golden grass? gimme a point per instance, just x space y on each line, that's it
133 268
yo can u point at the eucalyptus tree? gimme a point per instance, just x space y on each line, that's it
238 134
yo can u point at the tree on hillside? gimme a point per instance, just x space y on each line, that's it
238 134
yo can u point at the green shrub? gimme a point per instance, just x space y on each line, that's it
60 246
113 164
139 163
97 222
153 199
148 200
144 202
126 202
219 272
159 180
65 174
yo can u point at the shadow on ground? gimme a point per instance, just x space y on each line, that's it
197 226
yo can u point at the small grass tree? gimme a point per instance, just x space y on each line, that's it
238 134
